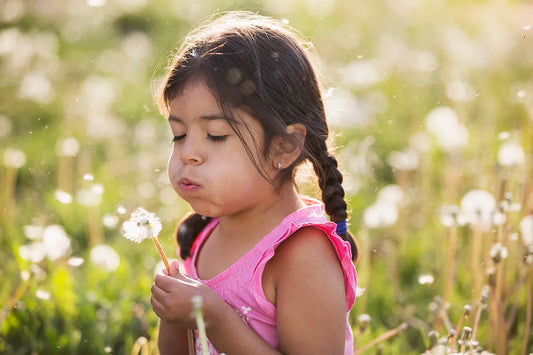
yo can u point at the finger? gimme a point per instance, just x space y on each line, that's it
167 283
157 306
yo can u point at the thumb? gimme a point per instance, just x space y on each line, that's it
174 268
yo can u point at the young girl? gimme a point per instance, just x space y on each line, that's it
245 109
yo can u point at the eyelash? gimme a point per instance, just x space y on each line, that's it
209 136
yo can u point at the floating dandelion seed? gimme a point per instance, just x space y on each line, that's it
143 225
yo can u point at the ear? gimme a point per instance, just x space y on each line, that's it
285 150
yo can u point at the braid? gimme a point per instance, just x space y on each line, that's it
330 182
188 230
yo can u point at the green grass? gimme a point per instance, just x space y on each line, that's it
87 310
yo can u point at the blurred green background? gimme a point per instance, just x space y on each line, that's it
431 106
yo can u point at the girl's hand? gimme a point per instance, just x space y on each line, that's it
172 294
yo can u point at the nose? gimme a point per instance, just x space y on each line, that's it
190 152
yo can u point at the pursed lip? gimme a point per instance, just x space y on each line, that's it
188 184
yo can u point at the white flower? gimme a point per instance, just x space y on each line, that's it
478 207
511 154
141 225
105 257
526 229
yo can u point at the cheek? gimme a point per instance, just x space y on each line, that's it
172 168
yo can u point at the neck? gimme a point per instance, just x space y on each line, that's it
256 222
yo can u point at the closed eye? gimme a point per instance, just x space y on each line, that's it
178 138
217 138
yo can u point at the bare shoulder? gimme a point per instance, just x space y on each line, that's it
307 247
309 294
306 255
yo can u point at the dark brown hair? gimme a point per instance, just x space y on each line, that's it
259 65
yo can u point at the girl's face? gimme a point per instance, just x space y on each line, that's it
209 166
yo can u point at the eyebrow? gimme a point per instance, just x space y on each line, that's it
206 118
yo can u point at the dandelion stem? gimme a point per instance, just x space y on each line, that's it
458 326
13 300
387 335
197 309
476 259
161 252
450 263
529 306
141 345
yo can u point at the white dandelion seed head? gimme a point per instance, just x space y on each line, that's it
75 261
511 154
526 230
25 275
68 147
498 252
56 242
14 158
34 232
425 279
43 295
380 214
89 197
33 253
141 225
104 257
443 123
364 318
110 221
360 291
63 197
406 160
391 193
478 207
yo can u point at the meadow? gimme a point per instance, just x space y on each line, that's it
431 108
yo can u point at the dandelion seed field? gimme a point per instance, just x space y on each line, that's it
431 107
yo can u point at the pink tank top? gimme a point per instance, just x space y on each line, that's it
240 285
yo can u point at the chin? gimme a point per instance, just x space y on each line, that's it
204 209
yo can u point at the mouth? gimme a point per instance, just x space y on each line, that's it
188 185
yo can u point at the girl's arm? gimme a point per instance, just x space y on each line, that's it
227 332
172 339
310 294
